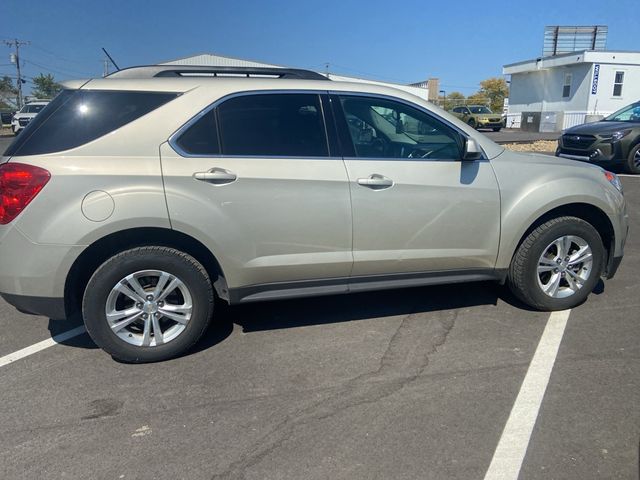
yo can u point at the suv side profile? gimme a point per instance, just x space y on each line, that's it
143 199
479 116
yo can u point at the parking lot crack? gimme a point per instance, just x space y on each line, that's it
405 358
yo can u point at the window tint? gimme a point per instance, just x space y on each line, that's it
273 124
202 137
381 128
76 117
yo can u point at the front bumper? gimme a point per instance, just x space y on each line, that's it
598 152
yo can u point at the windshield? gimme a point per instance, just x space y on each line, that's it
32 108
630 113
480 110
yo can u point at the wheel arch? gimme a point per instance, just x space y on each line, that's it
584 211
99 251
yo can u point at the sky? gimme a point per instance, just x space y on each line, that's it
461 42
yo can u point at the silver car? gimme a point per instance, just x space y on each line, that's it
143 199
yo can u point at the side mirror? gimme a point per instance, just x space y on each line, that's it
472 150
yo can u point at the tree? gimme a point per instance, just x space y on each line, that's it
478 98
8 93
495 90
45 86
455 98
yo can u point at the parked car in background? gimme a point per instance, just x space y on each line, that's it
6 117
479 116
143 199
616 139
27 113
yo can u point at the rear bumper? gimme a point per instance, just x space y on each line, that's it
52 308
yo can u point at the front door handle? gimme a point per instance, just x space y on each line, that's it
376 181
217 176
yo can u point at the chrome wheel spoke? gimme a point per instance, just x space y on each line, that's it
146 334
157 331
581 256
173 315
175 283
552 287
122 288
116 315
135 284
116 327
162 282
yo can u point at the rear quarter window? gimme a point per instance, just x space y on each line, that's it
76 117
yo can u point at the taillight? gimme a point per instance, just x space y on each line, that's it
19 184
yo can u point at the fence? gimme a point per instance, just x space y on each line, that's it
571 119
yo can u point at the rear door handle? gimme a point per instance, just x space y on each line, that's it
376 181
217 176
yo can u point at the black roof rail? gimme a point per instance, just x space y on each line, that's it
154 71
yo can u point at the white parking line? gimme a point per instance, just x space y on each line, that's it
37 347
512 447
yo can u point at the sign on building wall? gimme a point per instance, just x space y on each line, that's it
596 76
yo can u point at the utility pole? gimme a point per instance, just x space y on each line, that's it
15 58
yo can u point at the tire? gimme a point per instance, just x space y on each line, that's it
151 336
530 273
471 123
497 129
633 161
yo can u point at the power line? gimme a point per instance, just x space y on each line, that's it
68 73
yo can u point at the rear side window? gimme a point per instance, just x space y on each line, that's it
273 125
76 117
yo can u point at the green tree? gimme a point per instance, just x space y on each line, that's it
45 86
8 93
495 90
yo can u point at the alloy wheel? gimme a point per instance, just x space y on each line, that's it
564 266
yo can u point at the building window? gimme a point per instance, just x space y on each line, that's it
617 84
566 88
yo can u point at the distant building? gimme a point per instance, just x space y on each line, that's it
207 59
561 90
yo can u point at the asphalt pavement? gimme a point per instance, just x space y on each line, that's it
405 384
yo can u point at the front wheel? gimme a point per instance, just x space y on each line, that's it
497 129
471 123
557 265
633 160
148 304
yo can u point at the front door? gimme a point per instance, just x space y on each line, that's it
416 206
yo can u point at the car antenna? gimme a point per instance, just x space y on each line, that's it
111 59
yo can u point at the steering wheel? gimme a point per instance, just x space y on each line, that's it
424 153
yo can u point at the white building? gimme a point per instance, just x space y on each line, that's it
570 86
211 60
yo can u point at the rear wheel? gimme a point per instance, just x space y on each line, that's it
557 265
633 160
148 304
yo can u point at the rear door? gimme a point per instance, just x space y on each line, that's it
255 180
416 206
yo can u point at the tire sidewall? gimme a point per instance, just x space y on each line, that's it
577 228
117 268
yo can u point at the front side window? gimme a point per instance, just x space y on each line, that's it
381 128
32 108
617 84
76 117
566 88
275 124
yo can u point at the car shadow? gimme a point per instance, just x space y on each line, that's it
283 314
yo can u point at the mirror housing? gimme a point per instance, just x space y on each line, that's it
472 150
